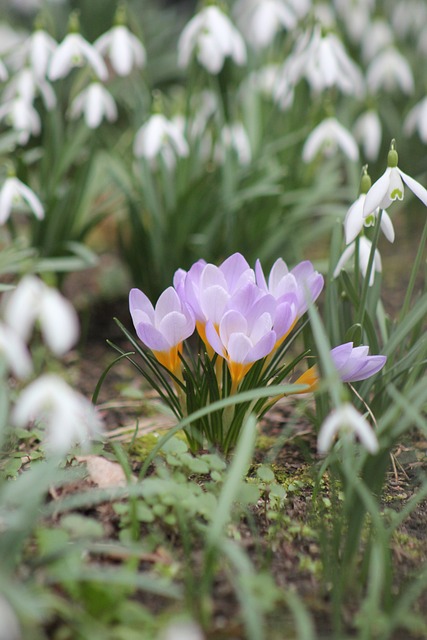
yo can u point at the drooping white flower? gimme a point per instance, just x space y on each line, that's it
123 49
33 301
329 65
378 36
96 103
13 193
261 21
389 187
367 130
22 117
408 17
326 138
388 71
212 37
354 221
416 120
365 247
14 350
346 421
75 51
355 15
160 137
37 51
4 74
26 85
70 418
234 136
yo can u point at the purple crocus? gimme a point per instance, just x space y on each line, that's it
352 363
163 328
208 288
244 333
294 290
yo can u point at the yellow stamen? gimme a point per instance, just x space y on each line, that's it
170 359
309 377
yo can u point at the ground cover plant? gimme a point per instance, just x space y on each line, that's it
233 445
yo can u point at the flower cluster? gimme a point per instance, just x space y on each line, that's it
68 417
242 317
371 205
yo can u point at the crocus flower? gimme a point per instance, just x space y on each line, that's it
96 103
163 328
352 364
347 421
14 192
293 290
208 288
327 137
245 332
365 247
33 301
160 137
70 418
14 351
75 51
123 49
389 187
213 37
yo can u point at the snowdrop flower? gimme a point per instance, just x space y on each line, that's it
70 418
409 17
3 72
245 332
211 35
365 247
14 350
26 85
355 221
75 51
329 65
22 117
123 49
416 120
367 130
234 136
389 70
37 50
260 21
14 192
10 629
163 328
96 103
389 187
160 137
352 364
355 15
346 421
326 138
378 36
33 301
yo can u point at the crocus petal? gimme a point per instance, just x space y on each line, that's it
175 328
152 338
213 339
139 301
